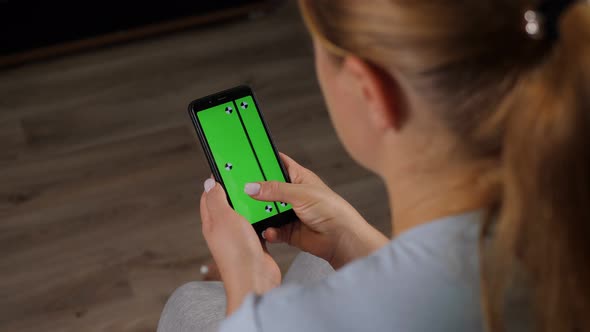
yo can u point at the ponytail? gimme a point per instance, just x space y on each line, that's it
544 215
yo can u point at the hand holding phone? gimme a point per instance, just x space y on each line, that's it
239 149
244 263
329 227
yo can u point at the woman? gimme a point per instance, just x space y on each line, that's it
476 115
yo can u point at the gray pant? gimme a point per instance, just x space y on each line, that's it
200 305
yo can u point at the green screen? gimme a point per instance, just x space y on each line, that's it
243 153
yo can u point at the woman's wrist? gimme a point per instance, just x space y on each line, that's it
235 296
355 242
241 285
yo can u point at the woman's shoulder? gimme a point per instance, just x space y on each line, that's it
448 246
432 270
425 279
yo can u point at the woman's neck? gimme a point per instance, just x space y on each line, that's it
417 198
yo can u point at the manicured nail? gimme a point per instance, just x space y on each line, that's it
204 269
252 188
263 234
209 184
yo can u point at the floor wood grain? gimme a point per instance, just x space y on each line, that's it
100 170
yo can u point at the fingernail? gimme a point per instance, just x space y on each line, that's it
204 269
263 234
209 184
252 188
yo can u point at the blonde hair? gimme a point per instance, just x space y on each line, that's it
508 97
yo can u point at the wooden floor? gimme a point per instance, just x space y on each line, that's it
100 171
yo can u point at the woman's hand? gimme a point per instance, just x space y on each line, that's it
330 227
244 264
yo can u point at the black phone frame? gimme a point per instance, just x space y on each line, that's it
222 97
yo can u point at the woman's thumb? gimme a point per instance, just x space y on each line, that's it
215 197
274 191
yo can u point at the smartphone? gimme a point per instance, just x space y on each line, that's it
239 148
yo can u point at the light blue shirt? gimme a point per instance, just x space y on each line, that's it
426 279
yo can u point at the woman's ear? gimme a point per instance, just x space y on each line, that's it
378 90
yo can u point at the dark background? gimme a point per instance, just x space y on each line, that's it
101 172
28 24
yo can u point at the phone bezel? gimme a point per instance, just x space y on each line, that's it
222 97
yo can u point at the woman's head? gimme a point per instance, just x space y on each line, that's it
436 66
468 79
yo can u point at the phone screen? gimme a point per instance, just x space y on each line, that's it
242 152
